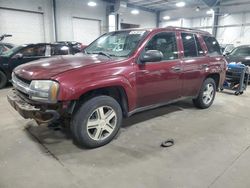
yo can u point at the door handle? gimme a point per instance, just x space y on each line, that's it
176 69
204 66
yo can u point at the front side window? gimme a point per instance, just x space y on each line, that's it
165 43
119 43
2 48
212 45
13 51
34 51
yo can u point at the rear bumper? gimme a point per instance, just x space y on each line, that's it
29 111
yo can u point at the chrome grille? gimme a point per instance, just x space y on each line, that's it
23 80
20 85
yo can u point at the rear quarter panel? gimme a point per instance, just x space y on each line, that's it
217 64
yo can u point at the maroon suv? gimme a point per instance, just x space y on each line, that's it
120 73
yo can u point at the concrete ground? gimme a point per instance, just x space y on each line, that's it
211 150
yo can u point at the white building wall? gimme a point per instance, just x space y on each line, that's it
144 19
234 28
43 6
67 9
174 23
202 23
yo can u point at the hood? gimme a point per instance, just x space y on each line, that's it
243 59
49 67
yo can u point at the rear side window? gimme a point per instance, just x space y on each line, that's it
212 45
199 48
60 50
166 43
191 45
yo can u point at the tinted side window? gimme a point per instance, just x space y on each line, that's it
60 50
212 45
34 51
199 48
189 45
166 43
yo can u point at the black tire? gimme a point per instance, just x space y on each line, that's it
79 129
236 93
3 80
199 101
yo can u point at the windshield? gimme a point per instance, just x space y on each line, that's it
12 51
241 51
119 44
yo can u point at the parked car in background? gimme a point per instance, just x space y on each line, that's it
76 47
5 47
240 54
121 73
27 53
226 48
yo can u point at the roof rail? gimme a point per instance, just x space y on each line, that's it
185 28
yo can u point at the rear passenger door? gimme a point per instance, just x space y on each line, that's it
159 82
193 64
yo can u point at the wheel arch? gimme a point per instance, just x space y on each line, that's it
215 77
117 92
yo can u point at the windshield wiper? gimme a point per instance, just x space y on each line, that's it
100 53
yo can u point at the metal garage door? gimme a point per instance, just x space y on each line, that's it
86 30
26 27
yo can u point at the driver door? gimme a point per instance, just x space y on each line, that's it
27 54
159 82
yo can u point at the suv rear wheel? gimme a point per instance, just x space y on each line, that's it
206 95
3 80
97 121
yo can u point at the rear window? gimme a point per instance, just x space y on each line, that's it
212 45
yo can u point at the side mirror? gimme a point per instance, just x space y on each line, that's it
151 56
18 56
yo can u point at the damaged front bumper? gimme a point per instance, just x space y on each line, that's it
30 111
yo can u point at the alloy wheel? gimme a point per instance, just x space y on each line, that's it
208 94
101 123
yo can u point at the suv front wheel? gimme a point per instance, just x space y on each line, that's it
97 121
206 95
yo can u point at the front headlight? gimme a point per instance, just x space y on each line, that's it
44 90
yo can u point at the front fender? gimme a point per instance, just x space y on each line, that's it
69 92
